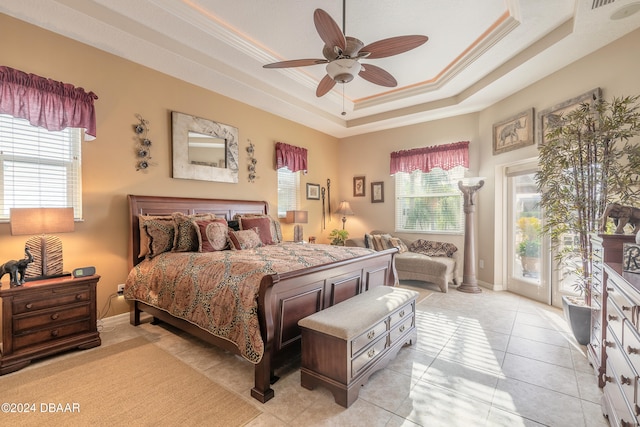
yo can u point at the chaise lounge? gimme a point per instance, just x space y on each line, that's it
423 260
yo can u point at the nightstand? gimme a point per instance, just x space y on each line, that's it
45 317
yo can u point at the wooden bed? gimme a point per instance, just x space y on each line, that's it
283 299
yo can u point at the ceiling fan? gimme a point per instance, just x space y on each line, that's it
342 55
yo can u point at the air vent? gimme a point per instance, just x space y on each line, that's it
598 3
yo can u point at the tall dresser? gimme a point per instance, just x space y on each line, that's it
614 349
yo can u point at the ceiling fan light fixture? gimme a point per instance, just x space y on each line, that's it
343 70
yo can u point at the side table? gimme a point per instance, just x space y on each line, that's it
45 317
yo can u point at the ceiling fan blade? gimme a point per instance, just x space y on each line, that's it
328 30
295 63
325 85
377 76
393 46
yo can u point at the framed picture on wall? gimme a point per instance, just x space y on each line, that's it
514 132
555 113
377 192
313 191
358 186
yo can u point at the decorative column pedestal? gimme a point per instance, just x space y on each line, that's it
469 282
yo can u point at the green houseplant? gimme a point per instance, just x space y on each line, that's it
338 237
590 158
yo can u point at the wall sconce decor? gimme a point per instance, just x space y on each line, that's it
252 161
143 143
297 218
45 249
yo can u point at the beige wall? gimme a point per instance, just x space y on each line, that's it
126 89
614 69
108 170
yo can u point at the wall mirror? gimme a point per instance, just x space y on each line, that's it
203 149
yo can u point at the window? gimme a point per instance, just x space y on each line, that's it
430 202
39 168
288 183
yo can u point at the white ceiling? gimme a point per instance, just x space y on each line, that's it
478 51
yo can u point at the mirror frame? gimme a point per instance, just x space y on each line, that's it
181 124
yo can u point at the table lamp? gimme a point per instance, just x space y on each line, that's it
45 248
344 209
297 218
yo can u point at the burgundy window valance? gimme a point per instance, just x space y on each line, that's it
46 103
290 156
446 157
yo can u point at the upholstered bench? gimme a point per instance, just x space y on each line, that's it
346 343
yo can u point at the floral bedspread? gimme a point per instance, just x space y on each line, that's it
218 291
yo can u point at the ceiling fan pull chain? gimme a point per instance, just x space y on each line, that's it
344 113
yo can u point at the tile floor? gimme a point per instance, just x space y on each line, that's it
489 359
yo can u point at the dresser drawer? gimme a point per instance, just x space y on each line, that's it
402 313
622 414
625 375
631 343
372 334
615 294
368 355
50 334
50 317
596 329
614 320
51 298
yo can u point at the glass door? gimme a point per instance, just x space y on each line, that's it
527 252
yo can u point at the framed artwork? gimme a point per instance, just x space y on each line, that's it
358 186
553 114
514 132
377 192
313 191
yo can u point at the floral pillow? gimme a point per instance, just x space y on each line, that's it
244 239
212 235
274 225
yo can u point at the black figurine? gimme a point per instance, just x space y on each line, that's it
13 268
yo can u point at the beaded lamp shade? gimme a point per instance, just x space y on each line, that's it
45 248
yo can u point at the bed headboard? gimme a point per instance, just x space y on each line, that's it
160 205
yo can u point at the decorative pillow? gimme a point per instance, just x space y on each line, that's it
397 242
144 237
377 241
262 224
432 248
161 233
244 239
212 235
276 230
234 225
186 236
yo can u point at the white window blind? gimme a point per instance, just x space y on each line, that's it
39 168
288 185
430 202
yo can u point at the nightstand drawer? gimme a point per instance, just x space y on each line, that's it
50 317
51 298
50 334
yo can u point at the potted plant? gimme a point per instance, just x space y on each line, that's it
338 237
588 160
529 246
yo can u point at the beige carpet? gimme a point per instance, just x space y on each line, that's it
418 287
129 383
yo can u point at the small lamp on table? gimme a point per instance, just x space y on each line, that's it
344 209
45 248
297 218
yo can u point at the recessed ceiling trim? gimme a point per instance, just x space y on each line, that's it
496 32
